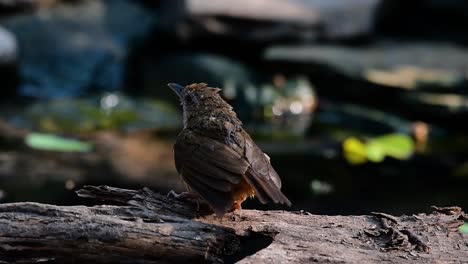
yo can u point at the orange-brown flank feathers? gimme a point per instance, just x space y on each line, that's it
216 157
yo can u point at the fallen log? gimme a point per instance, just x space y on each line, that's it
143 226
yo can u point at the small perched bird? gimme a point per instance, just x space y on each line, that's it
216 158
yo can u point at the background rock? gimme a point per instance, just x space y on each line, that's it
8 47
71 49
265 21
8 63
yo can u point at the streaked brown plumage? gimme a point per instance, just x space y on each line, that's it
215 156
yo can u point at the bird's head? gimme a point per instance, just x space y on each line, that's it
198 99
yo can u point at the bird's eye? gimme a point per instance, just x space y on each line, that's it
191 99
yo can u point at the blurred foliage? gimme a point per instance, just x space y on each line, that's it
464 228
321 187
397 146
110 111
462 170
55 143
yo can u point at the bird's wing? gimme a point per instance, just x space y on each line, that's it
209 167
261 175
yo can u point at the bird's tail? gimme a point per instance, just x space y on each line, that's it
266 190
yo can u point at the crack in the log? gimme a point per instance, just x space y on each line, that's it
414 239
397 238
250 244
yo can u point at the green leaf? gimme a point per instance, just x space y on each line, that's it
55 143
464 228
398 146
375 152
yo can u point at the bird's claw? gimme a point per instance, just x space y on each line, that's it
187 196
172 194
183 195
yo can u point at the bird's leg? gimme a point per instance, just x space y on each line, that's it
237 207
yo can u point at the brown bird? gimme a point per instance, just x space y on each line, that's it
216 158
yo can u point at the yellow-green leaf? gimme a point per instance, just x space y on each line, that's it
55 143
354 151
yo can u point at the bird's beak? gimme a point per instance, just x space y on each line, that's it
176 88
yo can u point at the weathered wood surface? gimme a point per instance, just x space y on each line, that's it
143 226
